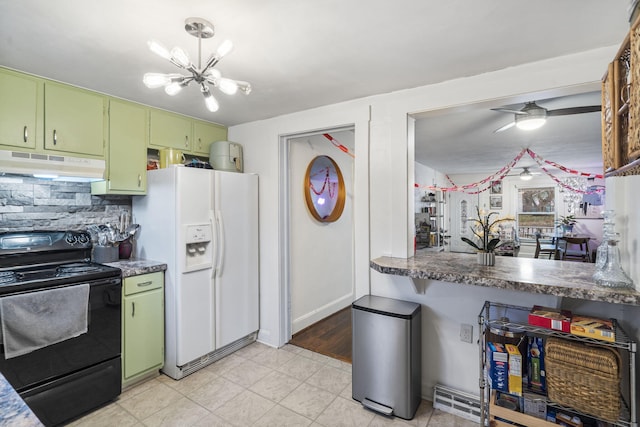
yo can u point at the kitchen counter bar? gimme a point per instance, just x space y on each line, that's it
538 276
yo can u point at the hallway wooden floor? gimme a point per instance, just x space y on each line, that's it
330 336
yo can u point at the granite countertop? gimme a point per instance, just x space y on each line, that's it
136 267
13 410
537 276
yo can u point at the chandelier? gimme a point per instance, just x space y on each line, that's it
202 75
574 188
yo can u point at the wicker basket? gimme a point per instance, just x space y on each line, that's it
584 377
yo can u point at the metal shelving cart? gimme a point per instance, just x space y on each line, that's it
514 318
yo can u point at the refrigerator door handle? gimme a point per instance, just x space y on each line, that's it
220 243
214 242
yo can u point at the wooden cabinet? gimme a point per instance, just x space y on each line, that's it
142 326
74 120
496 318
621 108
127 150
20 100
169 130
204 134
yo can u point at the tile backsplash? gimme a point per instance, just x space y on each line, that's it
28 203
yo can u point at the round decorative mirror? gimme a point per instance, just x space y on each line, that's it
324 189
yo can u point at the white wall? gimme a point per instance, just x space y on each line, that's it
321 266
511 184
383 202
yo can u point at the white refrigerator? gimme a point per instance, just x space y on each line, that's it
204 225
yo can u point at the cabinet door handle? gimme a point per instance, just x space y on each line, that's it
186 141
143 284
139 180
133 309
25 134
55 137
200 144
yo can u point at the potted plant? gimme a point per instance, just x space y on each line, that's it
566 223
485 230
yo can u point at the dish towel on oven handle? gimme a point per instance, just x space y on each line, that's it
34 320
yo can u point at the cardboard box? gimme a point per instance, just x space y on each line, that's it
592 327
515 369
498 367
534 405
550 318
536 377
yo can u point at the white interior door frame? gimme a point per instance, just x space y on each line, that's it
285 225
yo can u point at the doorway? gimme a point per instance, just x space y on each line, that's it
319 267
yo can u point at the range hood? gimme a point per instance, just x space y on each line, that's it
51 166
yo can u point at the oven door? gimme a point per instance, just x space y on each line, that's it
84 371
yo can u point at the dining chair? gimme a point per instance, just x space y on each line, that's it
545 248
571 252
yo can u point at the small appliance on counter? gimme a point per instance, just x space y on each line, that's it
226 156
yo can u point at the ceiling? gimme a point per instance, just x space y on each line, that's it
462 140
296 54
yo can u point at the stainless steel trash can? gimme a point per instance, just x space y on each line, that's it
387 355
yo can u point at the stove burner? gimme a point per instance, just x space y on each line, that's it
77 267
7 277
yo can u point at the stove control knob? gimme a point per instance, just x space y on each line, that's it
71 239
83 238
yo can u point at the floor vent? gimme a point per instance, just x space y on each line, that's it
456 402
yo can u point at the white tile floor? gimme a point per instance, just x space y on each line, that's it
256 386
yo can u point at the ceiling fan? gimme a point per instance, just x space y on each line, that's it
526 174
532 116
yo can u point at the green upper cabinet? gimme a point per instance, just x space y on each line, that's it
19 109
126 152
204 134
169 131
74 120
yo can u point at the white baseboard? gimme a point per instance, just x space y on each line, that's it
320 313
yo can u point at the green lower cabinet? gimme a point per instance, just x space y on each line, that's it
142 326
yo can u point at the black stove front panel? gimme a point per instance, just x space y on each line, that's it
101 342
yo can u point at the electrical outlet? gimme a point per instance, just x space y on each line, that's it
466 333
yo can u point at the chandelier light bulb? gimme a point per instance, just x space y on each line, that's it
180 56
213 74
210 101
173 88
224 49
155 80
158 49
245 87
228 86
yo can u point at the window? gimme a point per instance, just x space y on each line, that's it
536 211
